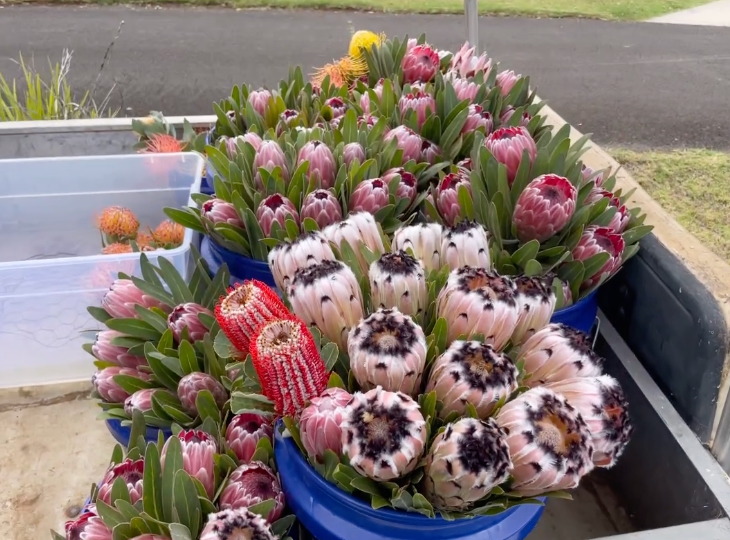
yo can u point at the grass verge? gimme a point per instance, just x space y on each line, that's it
692 185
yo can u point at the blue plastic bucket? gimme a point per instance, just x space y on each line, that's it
121 433
580 316
240 267
206 183
330 513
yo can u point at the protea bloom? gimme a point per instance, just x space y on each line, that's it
420 64
117 248
466 244
322 165
353 152
477 301
259 100
589 174
141 400
467 64
198 453
544 208
430 152
118 221
276 208
558 352
251 138
359 228
321 206
447 196
220 211
478 118
88 526
509 112
310 248
423 240
239 524
169 233
105 350
567 294
132 472
369 196
251 484
187 316
407 140
365 97
388 349
507 145
464 88
549 442
471 372
192 384
399 280
620 219
319 424
421 102
339 108
162 143
595 240
383 434
107 387
123 295
465 166
601 403
368 121
506 80
536 300
244 432
327 295
288 364
269 156
466 461
287 119
408 185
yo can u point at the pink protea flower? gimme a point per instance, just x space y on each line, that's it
447 196
108 389
198 453
411 44
323 207
105 350
358 227
408 185
269 156
132 472
368 121
187 316
536 300
430 152
308 249
507 146
239 524
467 64
465 244
251 138
465 165
319 424
567 294
506 80
596 194
555 353
621 218
544 208
370 196
421 102
322 165
220 211
244 432
288 117
423 240
596 240
589 173
123 295
548 440
251 484
88 526
259 100
339 108
353 151
478 118
509 113
365 97
464 88
141 400
407 140
420 64
192 384
276 208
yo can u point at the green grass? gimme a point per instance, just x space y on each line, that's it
692 185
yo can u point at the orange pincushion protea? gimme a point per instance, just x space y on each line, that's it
144 240
116 248
169 232
118 221
340 73
162 143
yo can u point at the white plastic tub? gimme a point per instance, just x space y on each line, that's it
51 267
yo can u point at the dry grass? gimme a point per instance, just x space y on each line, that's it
692 185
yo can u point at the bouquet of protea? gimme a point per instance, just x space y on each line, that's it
206 483
120 233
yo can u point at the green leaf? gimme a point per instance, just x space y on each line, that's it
526 253
131 384
123 531
188 359
335 381
263 508
329 354
126 509
155 320
378 502
243 402
594 263
179 289
173 464
166 341
119 491
533 268
366 485
185 217
187 505
178 531
152 496
282 525
111 516
98 313
223 346
134 328
207 407
635 234
138 430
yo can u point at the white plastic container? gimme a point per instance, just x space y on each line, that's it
51 267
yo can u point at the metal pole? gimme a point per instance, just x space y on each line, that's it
471 10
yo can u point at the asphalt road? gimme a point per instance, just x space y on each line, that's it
627 83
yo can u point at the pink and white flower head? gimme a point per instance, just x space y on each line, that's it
88 526
269 156
251 138
141 401
536 300
408 185
478 118
420 64
238 524
447 196
398 280
465 166
323 207
507 145
192 384
465 244
198 453
219 211
319 424
132 472
187 316
464 88
286 258
259 100
467 64
339 108
478 301
359 227
368 121
251 484
365 97
423 241
506 80
353 152
422 103
322 165
509 112
287 119
596 194
104 349
430 152
544 208
471 372
108 388
621 218
276 208
600 240
123 295
555 353
590 174
407 140
383 434
410 44
601 403
370 196
244 432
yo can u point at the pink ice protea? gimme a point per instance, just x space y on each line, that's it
506 80
370 196
536 300
132 472
251 138
465 244
407 140
597 240
105 350
239 524
88 526
589 174
430 152
353 151
141 401
276 208
621 218
464 88
123 295
420 64
365 97
244 432
596 194
544 208
269 156
339 108
323 207
322 165
421 102
507 146
408 185
467 64
555 353
286 119
220 211
192 384
251 484
478 118
259 100
509 112
106 386
447 196
368 121
319 424
198 453
186 316
465 165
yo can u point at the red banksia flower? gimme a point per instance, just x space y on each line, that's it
288 364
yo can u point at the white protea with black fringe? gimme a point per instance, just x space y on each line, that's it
465 244
398 280
238 524
286 258
389 350
423 240
536 300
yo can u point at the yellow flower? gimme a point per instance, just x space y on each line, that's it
364 39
